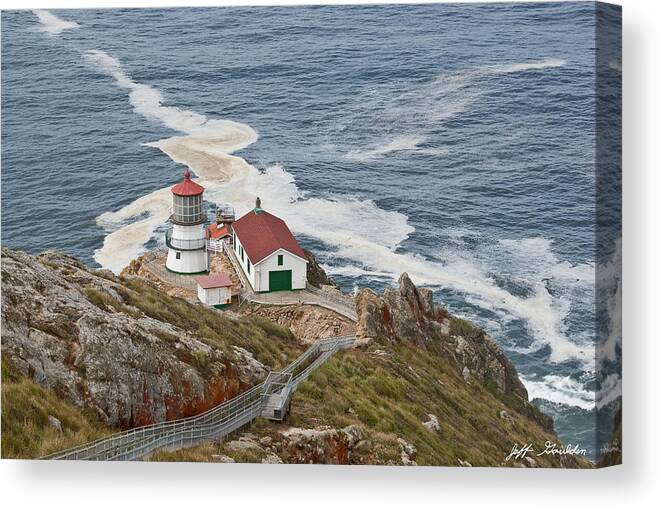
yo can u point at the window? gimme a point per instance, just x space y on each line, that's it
241 253
188 209
281 259
178 255
248 266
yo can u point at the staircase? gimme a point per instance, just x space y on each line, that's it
269 399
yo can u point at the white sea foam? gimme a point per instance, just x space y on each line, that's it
128 230
206 149
406 117
611 390
399 144
528 66
610 285
532 260
51 24
357 229
561 390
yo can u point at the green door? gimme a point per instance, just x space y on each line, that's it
280 280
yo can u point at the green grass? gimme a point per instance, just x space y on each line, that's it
389 400
461 327
200 453
26 432
272 344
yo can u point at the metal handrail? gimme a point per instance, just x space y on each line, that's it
212 424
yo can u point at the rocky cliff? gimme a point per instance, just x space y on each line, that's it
408 313
423 387
122 349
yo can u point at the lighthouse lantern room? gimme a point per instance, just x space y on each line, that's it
186 239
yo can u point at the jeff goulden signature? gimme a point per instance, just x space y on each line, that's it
550 448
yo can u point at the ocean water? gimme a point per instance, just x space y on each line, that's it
453 142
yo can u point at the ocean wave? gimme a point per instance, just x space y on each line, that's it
51 24
470 274
561 390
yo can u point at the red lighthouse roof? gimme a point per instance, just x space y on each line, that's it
187 187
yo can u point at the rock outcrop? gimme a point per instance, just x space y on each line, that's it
307 322
408 313
402 313
68 328
315 273
295 445
322 445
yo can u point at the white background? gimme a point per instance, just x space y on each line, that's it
26 483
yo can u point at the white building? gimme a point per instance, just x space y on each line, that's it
214 290
186 240
268 253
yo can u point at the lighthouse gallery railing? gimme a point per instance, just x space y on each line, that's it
184 244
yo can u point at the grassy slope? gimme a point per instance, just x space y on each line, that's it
26 432
26 406
271 343
389 400
388 397
393 395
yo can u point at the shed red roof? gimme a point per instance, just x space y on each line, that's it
262 234
187 187
218 280
216 231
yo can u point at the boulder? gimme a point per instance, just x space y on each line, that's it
272 458
504 415
322 445
432 424
222 459
408 453
316 275
55 423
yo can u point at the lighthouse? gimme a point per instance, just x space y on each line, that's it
186 239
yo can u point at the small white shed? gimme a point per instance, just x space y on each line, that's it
214 290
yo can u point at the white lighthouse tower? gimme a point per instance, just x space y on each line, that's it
186 240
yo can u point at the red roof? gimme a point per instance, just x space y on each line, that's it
262 234
218 280
187 187
216 231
